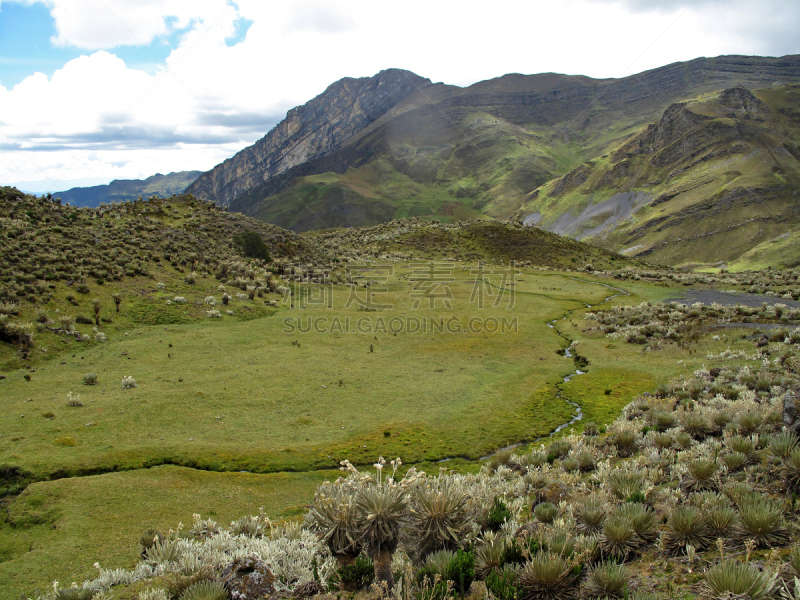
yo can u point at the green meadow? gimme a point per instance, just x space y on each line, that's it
245 411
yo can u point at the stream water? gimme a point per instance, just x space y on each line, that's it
578 415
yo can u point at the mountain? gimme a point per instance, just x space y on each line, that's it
309 131
396 145
714 181
124 190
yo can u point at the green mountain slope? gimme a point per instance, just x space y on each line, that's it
125 190
396 145
713 182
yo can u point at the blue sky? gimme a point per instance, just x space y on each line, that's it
95 90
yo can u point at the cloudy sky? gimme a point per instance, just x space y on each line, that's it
95 90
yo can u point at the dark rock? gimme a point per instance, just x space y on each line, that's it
791 412
248 579
308 589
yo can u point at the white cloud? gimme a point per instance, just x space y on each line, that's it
98 116
105 24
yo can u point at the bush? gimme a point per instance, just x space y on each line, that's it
250 244
205 590
503 584
608 580
90 379
590 516
545 512
618 539
359 575
128 382
781 444
498 515
624 484
461 571
761 519
700 475
81 318
739 580
547 577
685 526
439 519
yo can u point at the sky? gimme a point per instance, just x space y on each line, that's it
96 90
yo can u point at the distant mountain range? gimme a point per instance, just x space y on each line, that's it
122 190
643 164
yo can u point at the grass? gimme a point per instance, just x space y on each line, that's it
237 394
58 529
275 414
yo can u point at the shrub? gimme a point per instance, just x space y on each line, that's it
382 511
618 539
498 515
720 520
700 475
66 323
545 512
82 288
663 420
590 516
489 556
461 571
90 379
335 517
128 382
73 594
205 590
685 526
749 422
439 518
781 444
251 526
503 584
695 425
642 519
608 580
624 483
162 552
73 399
662 440
250 244
150 537
743 445
548 577
584 459
357 576
559 448
761 519
735 461
625 441
739 580
590 428
791 469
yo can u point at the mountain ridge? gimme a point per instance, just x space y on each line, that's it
124 190
434 150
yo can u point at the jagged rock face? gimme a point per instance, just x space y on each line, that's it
307 132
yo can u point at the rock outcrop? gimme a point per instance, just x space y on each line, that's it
308 132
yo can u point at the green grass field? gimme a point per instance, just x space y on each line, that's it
239 393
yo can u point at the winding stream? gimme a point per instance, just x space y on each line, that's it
567 354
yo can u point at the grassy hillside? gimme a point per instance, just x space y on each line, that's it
713 182
251 404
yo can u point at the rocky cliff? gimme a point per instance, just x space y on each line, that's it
711 180
308 132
